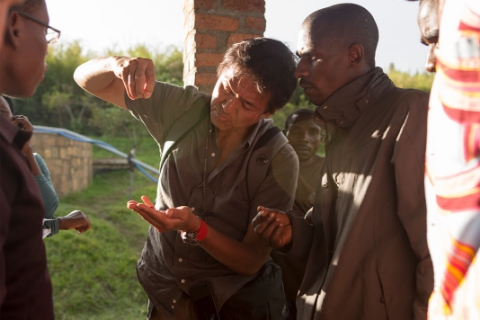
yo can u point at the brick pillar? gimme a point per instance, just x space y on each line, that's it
211 26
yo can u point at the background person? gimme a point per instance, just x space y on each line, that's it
25 286
453 157
74 220
367 249
305 136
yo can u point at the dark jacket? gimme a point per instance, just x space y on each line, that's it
25 288
367 249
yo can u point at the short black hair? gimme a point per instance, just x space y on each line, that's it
28 6
346 24
10 103
301 113
267 62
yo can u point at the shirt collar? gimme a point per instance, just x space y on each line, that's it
345 106
254 130
252 134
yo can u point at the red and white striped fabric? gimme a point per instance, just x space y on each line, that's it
453 164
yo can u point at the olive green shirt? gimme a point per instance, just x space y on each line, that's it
167 265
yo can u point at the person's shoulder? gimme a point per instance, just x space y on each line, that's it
286 149
411 101
410 95
188 90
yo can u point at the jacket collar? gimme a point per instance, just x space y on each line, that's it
345 106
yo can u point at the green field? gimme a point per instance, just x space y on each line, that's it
93 274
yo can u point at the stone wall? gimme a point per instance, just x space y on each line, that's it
69 161
211 26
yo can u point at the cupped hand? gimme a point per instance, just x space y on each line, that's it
273 227
180 218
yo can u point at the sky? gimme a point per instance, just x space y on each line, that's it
120 24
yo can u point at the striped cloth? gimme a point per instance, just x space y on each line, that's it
453 164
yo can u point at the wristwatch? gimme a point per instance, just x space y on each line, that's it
197 236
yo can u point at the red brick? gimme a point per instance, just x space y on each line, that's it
208 59
237 37
256 23
245 5
204 4
214 22
205 79
205 41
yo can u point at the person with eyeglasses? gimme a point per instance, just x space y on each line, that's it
25 286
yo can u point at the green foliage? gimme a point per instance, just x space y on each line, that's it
422 81
298 101
60 102
113 121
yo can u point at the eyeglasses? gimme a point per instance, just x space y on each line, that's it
52 35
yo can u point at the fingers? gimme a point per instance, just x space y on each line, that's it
264 213
23 120
147 201
266 225
129 84
150 81
83 222
272 226
182 218
158 219
138 76
84 228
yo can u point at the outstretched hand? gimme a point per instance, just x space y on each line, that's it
273 226
180 218
137 74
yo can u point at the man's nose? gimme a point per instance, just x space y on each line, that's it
230 104
303 136
430 64
302 70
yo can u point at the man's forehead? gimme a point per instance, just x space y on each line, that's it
314 38
303 120
239 81
304 41
243 85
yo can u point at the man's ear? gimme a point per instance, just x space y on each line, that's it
12 30
356 54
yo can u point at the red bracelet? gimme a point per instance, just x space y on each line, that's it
202 231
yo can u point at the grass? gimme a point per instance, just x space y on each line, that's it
93 274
